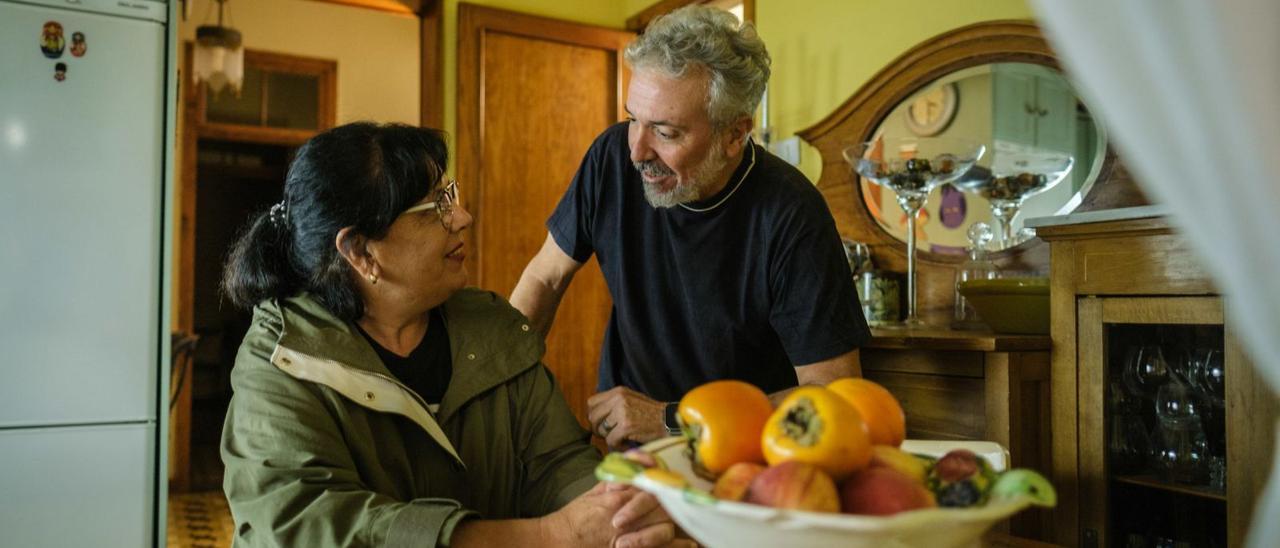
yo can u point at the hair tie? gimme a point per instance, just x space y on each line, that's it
279 214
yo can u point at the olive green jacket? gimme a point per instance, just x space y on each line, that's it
323 447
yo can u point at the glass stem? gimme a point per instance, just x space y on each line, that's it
911 267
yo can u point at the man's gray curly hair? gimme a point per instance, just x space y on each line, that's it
699 36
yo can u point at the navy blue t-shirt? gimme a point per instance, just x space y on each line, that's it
747 290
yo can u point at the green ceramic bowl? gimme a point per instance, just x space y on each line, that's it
1011 305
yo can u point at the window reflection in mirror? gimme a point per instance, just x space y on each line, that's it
1018 110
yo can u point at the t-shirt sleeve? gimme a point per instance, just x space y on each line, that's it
815 307
571 222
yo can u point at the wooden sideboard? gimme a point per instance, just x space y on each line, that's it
966 385
1123 283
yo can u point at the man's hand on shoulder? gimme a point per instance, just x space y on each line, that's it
621 414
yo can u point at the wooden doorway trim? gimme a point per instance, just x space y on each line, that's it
431 87
194 127
637 22
402 7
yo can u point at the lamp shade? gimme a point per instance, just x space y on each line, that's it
219 58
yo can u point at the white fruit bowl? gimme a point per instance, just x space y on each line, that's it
719 523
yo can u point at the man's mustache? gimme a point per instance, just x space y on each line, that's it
653 168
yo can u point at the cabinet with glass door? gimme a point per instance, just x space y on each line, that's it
1162 432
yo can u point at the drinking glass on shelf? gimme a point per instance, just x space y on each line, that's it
1145 370
1181 449
911 168
1177 401
1127 442
1213 374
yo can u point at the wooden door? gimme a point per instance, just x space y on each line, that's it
533 93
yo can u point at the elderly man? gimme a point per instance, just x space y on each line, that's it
723 261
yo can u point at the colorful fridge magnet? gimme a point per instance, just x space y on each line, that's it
78 45
953 207
60 72
51 40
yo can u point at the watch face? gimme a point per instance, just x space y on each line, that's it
669 417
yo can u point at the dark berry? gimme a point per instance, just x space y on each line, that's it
959 495
918 165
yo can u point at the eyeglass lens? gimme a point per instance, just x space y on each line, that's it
445 204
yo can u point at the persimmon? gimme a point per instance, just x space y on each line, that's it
816 426
723 421
885 419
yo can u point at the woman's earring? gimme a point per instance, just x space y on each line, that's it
373 279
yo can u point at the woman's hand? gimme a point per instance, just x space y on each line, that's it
612 515
643 522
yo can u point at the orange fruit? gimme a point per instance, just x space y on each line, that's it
816 426
885 419
724 419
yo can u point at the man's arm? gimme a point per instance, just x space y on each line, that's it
543 284
823 372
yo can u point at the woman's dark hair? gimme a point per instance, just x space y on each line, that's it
361 175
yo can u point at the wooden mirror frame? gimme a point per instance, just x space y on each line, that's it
1008 41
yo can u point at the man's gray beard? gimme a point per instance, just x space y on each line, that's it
687 192
682 193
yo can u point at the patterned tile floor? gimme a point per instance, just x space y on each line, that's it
199 520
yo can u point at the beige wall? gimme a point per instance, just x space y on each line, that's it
377 52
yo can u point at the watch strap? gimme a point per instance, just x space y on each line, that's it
669 418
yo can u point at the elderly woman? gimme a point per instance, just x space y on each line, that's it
378 402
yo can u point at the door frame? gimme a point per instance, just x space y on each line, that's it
194 127
639 21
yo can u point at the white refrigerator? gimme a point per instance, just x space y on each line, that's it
86 108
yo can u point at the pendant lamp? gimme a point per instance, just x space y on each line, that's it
219 55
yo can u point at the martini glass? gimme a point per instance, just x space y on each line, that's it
1013 177
911 168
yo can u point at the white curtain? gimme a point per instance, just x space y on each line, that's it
1190 92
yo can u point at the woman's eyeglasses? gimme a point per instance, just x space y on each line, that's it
443 205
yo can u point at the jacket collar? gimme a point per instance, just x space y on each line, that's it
490 342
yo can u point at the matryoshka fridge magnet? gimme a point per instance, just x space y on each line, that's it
60 72
51 40
78 45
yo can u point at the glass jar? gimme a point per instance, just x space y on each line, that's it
976 266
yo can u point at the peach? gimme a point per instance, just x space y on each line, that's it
795 485
882 491
891 457
734 482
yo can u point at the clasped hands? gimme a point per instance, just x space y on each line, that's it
632 519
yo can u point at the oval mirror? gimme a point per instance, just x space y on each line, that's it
1033 125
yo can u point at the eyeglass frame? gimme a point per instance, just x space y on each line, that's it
443 204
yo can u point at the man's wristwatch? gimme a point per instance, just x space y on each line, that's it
669 418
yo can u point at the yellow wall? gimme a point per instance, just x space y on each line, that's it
377 52
824 52
821 54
